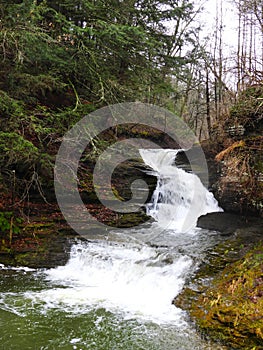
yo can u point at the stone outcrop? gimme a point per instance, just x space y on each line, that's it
225 297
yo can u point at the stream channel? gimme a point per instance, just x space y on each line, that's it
116 290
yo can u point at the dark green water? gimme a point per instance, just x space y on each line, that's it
113 294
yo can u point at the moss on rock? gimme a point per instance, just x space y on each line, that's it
230 307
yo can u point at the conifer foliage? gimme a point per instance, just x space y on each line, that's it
63 59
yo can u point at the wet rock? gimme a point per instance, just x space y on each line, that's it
46 251
228 223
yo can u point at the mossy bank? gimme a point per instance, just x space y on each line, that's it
225 298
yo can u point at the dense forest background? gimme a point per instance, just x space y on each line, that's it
62 60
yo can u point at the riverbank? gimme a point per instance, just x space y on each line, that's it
43 239
225 297
35 234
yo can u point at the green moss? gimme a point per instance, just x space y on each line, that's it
129 220
41 243
231 308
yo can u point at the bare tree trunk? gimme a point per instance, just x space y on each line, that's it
250 59
220 58
244 51
207 93
239 48
216 98
215 63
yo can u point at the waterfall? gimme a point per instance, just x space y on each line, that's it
180 197
123 276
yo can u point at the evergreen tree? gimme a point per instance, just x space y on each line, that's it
60 60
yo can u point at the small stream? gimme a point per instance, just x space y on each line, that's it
116 290
112 294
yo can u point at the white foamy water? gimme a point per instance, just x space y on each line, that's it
20 268
134 280
128 276
180 198
123 274
116 291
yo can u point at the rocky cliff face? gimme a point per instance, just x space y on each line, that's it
235 155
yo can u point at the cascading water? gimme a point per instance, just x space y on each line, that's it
132 279
117 291
180 197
